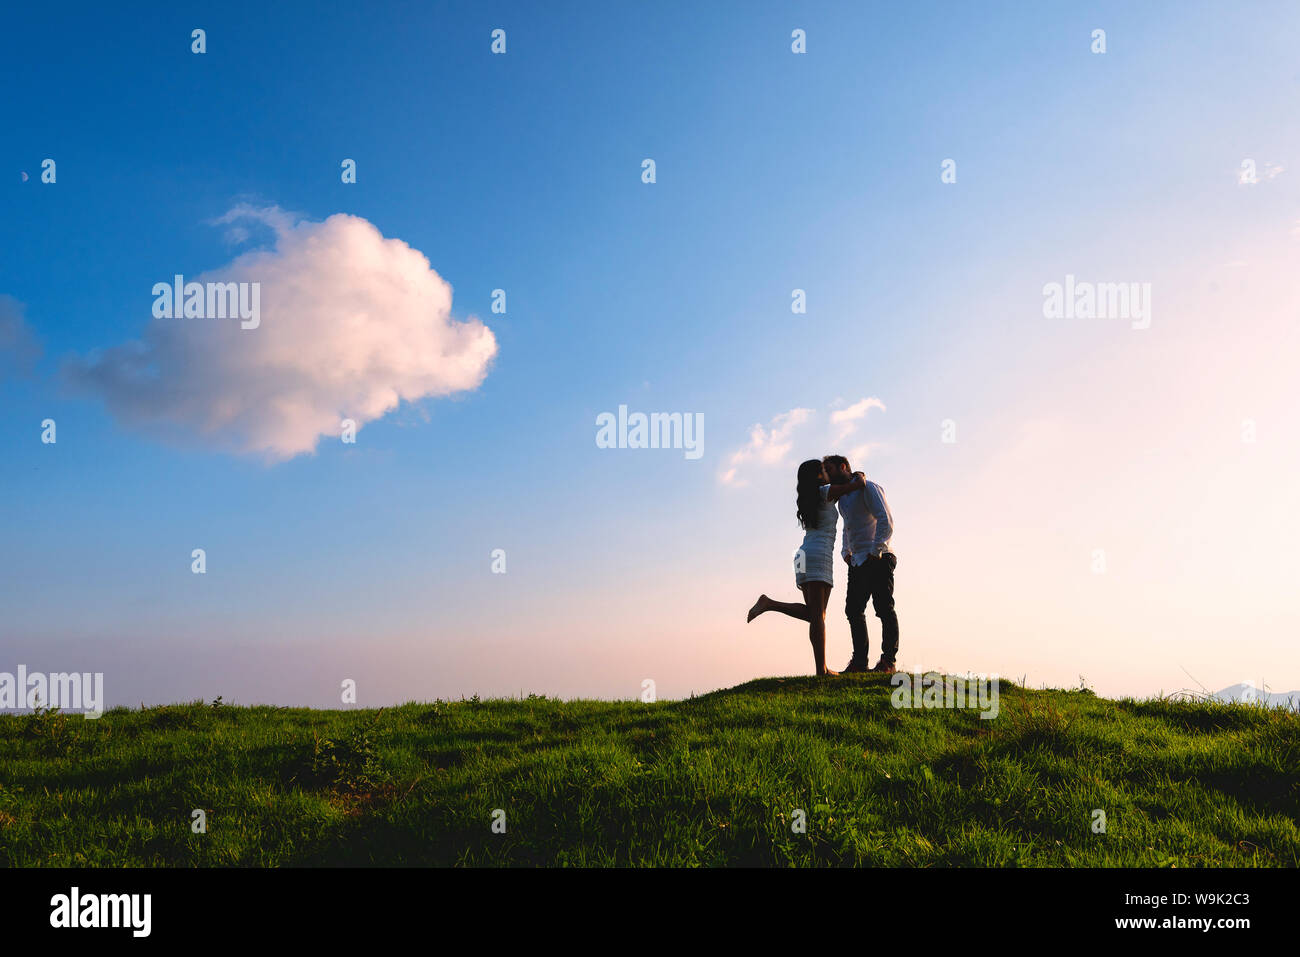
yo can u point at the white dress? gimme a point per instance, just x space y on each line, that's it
815 560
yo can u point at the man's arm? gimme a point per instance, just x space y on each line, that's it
879 510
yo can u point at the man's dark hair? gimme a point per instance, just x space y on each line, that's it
836 460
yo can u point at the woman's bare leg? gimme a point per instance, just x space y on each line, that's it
816 595
793 609
812 610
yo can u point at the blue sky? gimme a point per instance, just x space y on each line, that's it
775 171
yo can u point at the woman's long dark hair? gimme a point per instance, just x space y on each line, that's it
808 498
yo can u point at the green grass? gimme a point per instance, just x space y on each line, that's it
713 780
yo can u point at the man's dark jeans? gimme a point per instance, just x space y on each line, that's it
873 581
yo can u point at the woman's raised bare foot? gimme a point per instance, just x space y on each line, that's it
760 606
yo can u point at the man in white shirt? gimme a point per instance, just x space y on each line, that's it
868 527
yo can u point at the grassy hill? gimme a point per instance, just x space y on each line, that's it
712 780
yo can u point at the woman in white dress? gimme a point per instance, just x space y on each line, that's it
815 501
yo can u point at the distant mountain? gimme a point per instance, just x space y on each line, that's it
1253 693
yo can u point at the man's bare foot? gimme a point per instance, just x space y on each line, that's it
830 674
760 606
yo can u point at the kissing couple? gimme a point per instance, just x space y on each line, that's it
822 487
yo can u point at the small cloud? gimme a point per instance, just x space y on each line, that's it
729 478
767 445
846 420
280 221
771 444
242 215
19 347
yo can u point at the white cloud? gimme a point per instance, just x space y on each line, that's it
770 445
766 446
352 324
242 214
847 419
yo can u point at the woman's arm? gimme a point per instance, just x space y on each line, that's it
835 491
